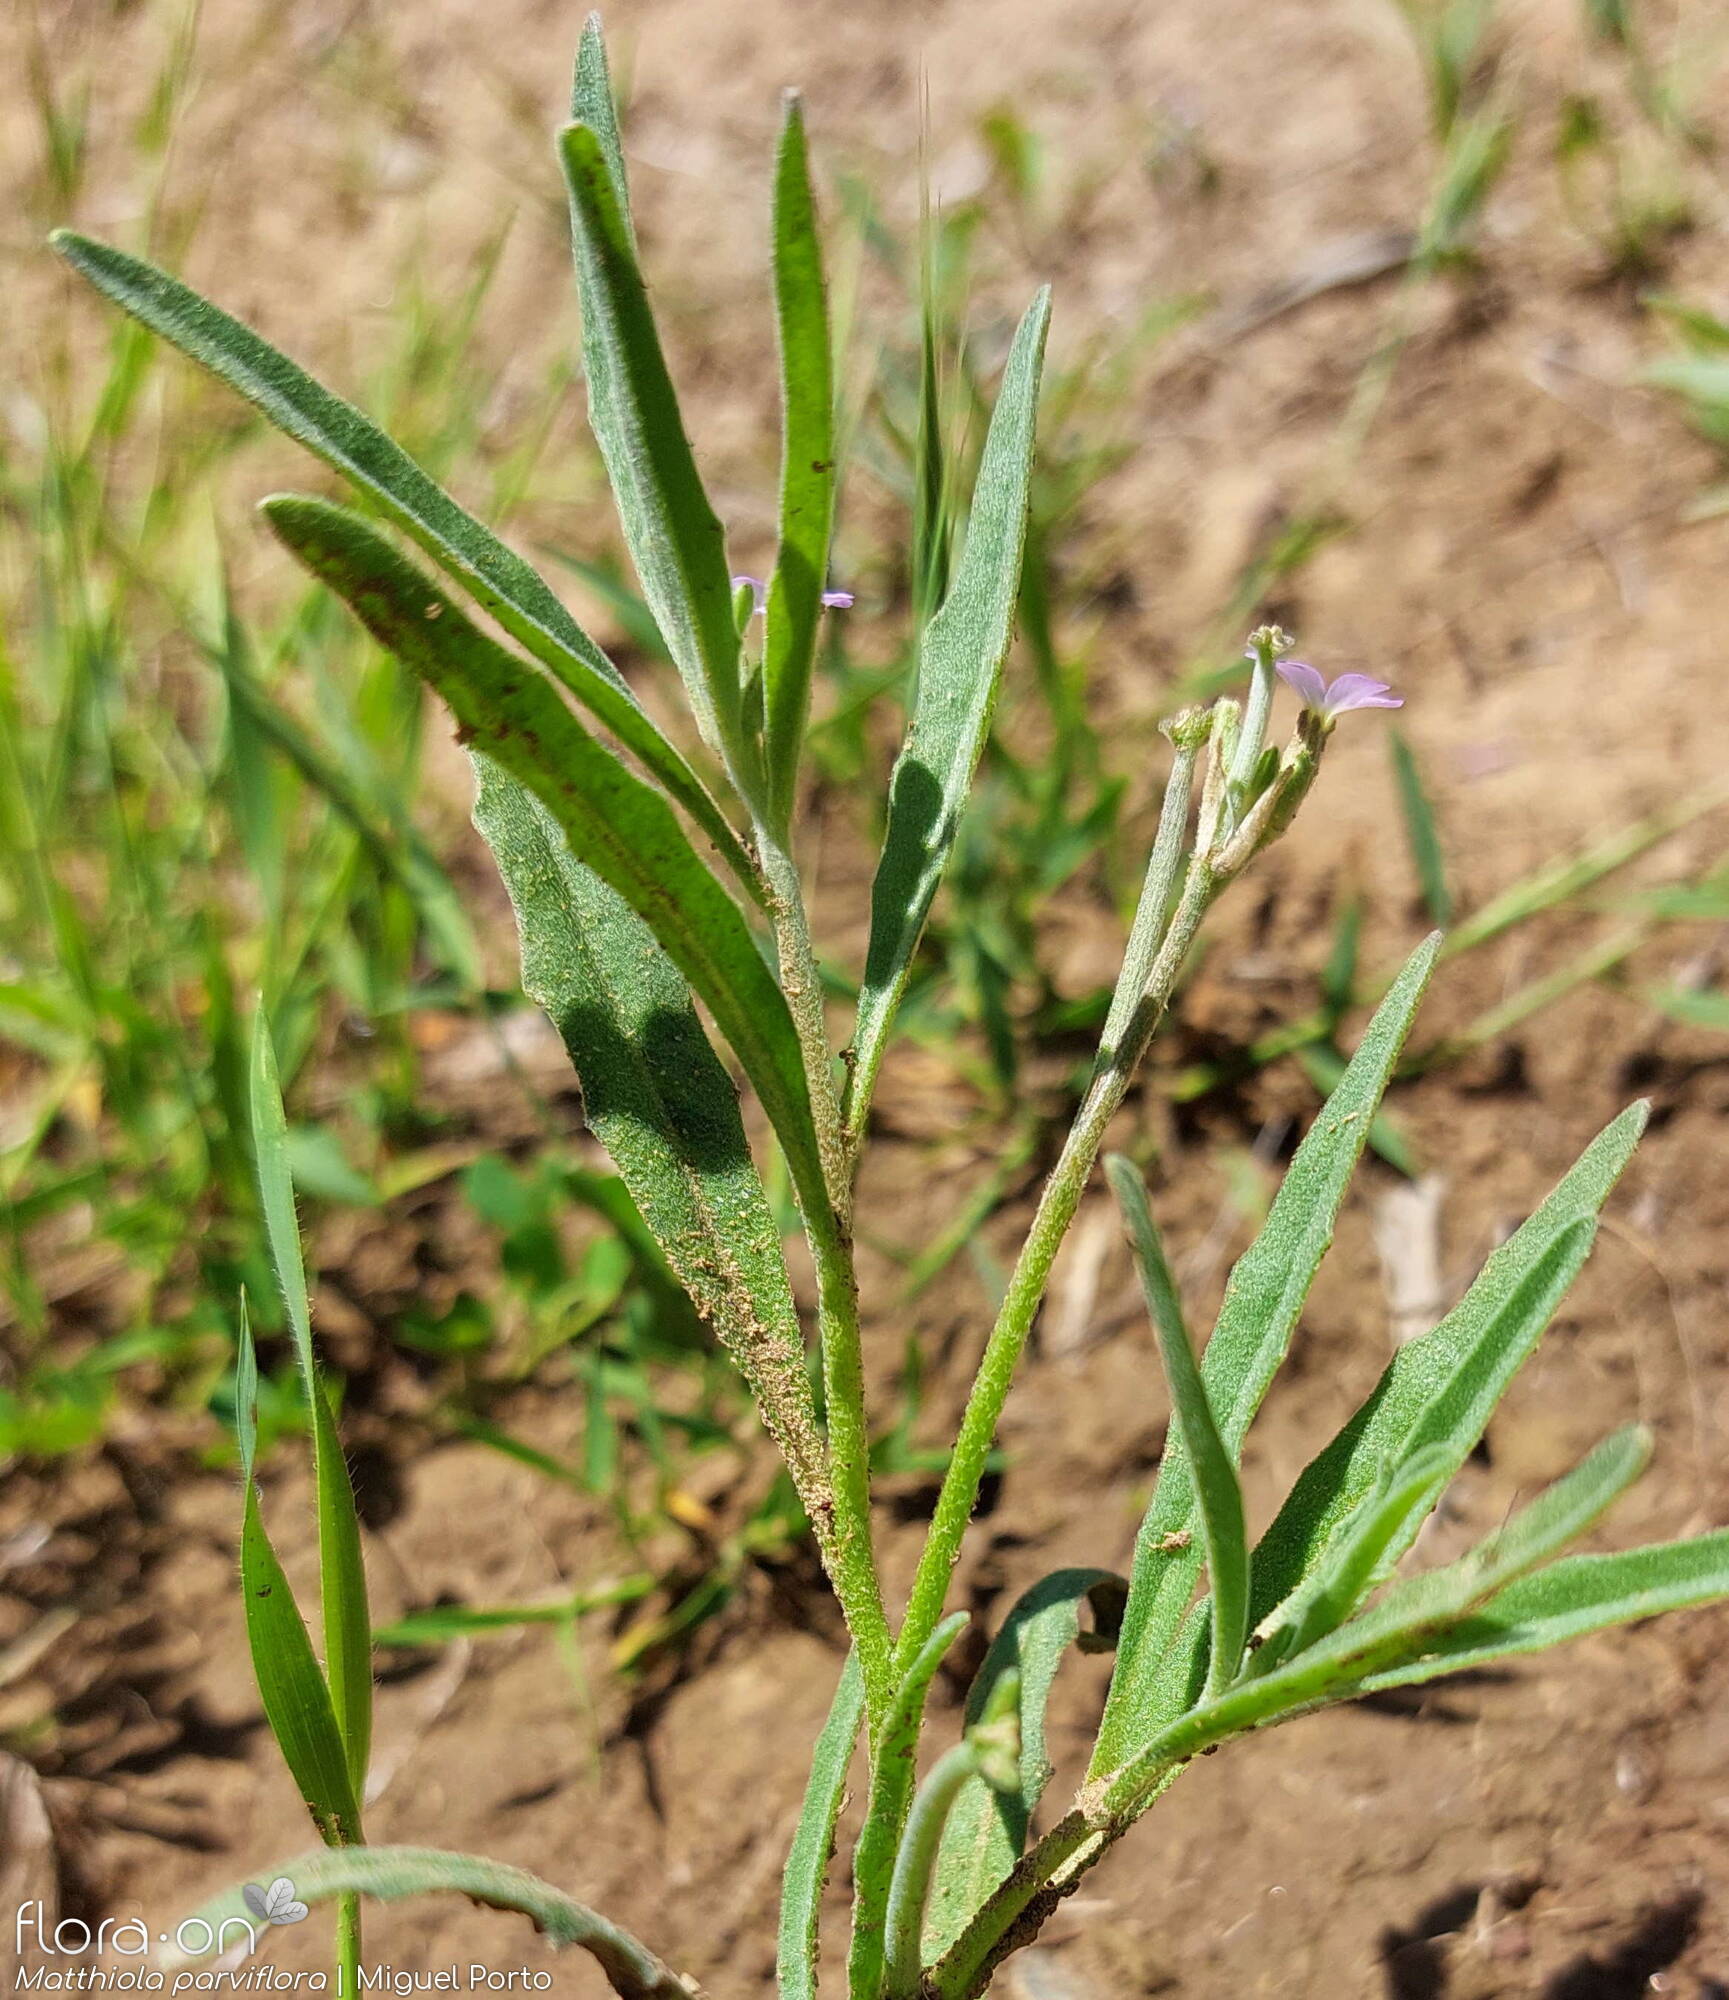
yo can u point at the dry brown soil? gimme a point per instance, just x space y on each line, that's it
1519 562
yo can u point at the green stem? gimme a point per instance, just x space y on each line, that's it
1068 1850
1108 1806
1056 1210
847 1548
851 1557
894 1750
909 1891
801 982
348 1946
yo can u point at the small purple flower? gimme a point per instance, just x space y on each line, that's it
832 600
1347 692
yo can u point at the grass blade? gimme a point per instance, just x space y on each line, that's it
1262 1301
807 1861
398 850
675 541
291 1684
613 822
807 473
960 669
986 1831
1561 880
1219 1496
390 1873
1548 888
495 576
1421 831
341 1569
441 1622
1441 1388
933 498
1689 1005
662 1105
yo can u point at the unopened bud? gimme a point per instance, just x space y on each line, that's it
1188 729
749 595
997 1746
1269 642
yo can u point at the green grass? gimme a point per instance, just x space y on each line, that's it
214 793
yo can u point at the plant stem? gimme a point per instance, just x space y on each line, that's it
348 1946
847 1548
802 984
971 1959
909 1890
1331 1670
851 1557
1056 1210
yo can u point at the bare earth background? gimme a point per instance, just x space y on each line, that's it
1520 566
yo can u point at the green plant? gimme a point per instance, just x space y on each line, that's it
1697 375
155 814
627 924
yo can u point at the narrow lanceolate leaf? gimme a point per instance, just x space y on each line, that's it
807 1861
933 497
960 669
612 821
291 1684
1358 1559
341 1570
496 577
1441 1389
390 1873
1250 1339
894 1771
674 538
1218 1495
987 1829
807 468
1569 1598
1407 1635
662 1104
1421 831
1412 1611
592 104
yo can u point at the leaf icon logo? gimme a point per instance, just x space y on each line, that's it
275 1905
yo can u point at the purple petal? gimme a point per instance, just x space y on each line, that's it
837 600
1308 683
758 590
1360 691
